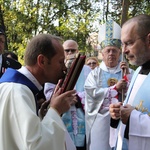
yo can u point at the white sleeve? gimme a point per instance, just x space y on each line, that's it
27 129
141 122
139 131
48 90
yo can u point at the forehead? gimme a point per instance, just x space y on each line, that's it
70 45
91 59
111 48
129 31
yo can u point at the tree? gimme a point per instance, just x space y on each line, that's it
74 19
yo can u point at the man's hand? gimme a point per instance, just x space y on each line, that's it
121 85
125 67
114 110
62 102
43 110
125 112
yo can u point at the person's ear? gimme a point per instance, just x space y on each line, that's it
41 60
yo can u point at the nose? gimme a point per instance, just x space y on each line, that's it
124 49
111 52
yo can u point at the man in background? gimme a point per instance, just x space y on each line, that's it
103 85
6 62
74 118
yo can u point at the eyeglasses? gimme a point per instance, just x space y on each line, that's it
131 43
70 50
91 63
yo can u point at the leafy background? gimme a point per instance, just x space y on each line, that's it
69 19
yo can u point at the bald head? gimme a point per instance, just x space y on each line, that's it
70 44
70 47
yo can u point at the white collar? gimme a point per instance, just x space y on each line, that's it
105 68
28 74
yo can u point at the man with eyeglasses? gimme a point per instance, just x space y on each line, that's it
134 129
103 87
74 119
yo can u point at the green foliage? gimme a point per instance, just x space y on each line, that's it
70 19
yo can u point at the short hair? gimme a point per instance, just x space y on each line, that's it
40 44
143 24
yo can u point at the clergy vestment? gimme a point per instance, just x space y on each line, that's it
139 130
74 118
20 127
98 98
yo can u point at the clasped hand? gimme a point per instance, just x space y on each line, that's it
118 111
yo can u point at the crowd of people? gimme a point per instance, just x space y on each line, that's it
108 109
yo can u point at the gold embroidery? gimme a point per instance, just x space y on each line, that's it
141 108
112 81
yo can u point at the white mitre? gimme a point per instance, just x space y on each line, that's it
109 34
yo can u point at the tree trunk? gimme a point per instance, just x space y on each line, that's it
2 25
125 8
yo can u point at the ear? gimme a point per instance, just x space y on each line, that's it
41 60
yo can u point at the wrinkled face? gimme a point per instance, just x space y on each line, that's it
54 69
111 56
70 48
70 52
2 43
136 49
92 63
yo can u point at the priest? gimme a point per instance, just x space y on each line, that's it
102 88
134 130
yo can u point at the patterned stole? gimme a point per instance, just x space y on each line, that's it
141 101
11 75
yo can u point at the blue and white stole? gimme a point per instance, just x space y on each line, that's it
141 100
12 75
